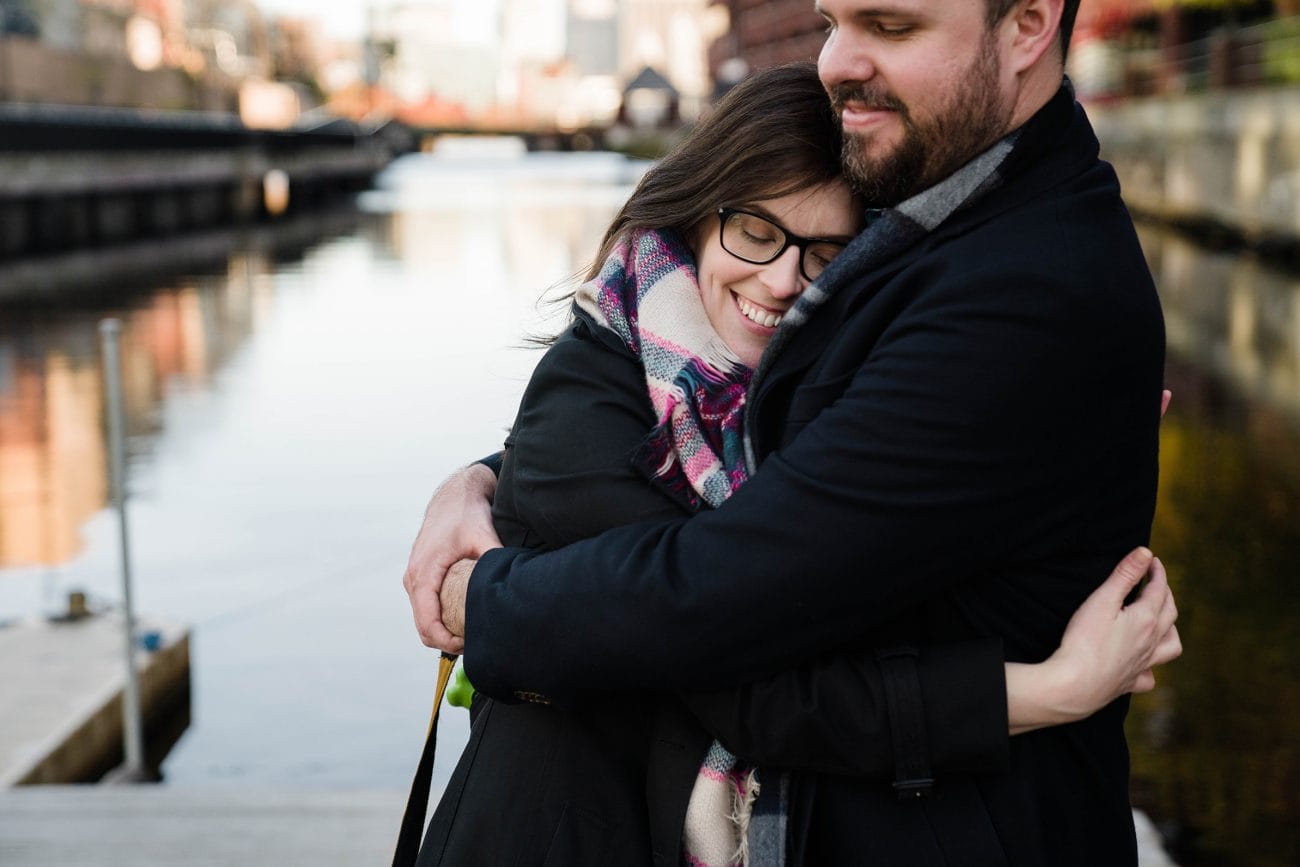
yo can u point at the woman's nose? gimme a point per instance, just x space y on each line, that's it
781 276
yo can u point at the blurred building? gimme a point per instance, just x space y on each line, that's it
1143 47
569 62
764 33
232 36
438 59
128 53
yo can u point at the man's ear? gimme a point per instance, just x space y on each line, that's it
1033 28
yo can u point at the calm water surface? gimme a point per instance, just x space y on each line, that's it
289 419
292 410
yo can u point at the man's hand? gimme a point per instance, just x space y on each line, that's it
457 526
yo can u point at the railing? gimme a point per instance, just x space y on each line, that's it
1264 54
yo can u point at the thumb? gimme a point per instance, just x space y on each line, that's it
1127 574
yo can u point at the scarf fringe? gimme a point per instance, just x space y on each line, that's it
743 800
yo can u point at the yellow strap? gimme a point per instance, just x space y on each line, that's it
445 666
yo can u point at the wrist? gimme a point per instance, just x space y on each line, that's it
480 480
1039 695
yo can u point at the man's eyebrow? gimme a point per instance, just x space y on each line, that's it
882 10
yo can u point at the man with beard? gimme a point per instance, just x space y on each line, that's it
957 430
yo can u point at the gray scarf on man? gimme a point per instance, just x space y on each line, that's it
889 235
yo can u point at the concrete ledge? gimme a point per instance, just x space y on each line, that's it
1225 163
61 721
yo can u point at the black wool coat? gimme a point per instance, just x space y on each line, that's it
958 445
605 777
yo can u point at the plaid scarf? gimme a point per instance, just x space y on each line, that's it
647 293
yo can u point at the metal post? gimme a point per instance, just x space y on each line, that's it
110 331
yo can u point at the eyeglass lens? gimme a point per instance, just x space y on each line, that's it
757 240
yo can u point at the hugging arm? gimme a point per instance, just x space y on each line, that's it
832 715
942 473
811 718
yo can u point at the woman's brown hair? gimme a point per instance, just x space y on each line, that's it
773 134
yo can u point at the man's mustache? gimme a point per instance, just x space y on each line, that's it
872 96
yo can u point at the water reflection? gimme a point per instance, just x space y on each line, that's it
1238 319
289 417
1215 757
52 451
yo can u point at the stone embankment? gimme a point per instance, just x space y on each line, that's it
1224 165
76 178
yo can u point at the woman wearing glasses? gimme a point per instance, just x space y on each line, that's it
636 413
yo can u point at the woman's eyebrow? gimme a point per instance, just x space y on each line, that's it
771 218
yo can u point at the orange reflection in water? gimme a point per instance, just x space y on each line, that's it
53 459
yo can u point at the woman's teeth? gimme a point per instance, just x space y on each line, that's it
757 314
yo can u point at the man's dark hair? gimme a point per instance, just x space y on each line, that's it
998 10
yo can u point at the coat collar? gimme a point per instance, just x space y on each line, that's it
1054 144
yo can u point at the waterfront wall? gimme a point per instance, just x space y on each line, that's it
74 178
36 72
1226 163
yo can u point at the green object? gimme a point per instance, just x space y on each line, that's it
461 691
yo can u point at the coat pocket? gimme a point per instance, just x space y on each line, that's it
581 837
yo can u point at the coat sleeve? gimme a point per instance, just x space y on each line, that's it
833 716
994 447
569 474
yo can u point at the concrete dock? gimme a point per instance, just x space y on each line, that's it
62 682
153 826
157 826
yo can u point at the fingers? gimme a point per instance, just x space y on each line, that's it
1132 569
1144 682
428 622
426 608
1165 397
1169 648
1163 596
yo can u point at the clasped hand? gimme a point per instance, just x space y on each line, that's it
457 529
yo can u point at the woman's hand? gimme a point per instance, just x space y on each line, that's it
1108 649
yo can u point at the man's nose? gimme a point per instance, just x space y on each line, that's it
842 59
781 276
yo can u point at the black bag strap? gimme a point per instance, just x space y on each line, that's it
912 775
417 802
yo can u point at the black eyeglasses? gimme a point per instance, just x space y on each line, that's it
758 240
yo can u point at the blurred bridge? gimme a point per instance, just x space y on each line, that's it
535 138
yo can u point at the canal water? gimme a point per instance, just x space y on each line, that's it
295 397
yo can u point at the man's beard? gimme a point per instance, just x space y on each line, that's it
968 123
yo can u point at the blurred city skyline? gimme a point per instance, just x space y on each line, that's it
532 64
346 19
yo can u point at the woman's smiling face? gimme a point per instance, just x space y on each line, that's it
745 302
